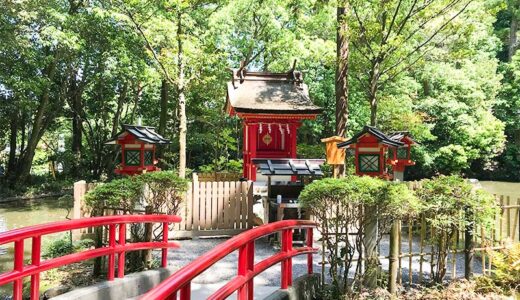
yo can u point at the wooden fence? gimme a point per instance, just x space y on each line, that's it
209 209
465 257
469 253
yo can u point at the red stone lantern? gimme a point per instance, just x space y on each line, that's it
138 145
370 147
272 107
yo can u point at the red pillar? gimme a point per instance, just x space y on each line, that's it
293 139
293 143
253 137
245 150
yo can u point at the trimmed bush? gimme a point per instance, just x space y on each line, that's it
452 204
340 206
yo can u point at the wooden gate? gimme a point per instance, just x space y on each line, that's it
216 208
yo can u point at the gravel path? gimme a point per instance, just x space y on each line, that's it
227 267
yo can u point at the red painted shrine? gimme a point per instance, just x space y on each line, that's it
272 107
137 149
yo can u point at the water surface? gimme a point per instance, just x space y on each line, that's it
25 213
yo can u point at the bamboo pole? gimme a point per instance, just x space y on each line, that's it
410 224
400 270
421 248
394 256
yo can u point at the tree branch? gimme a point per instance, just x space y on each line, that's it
425 42
149 45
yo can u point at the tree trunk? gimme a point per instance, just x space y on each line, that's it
182 102
148 237
23 133
11 165
25 162
342 54
40 123
119 110
164 107
513 28
372 94
137 95
77 125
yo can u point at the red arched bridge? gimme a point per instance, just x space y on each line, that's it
180 281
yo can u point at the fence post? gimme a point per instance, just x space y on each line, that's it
468 246
246 261
121 256
370 243
164 251
309 244
394 257
80 189
287 239
35 261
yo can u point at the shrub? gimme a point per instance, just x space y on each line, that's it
59 247
122 193
339 204
157 192
506 273
64 245
452 204
164 191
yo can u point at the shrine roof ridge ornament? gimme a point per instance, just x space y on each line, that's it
268 93
393 139
145 134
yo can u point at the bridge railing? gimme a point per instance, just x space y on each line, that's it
247 269
116 246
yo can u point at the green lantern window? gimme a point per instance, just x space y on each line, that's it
402 153
148 157
133 157
368 162
391 153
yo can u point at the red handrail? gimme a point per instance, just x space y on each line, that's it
247 269
17 236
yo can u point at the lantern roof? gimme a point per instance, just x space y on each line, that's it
269 93
401 135
144 134
383 138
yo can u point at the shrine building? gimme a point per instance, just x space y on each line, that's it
272 107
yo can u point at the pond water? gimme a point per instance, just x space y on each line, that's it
25 213
511 189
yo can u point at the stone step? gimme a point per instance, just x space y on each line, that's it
203 291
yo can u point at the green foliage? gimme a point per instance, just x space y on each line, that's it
454 95
121 193
311 151
59 247
164 191
451 204
338 206
505 275
64 245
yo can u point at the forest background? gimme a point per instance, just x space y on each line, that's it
72 72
